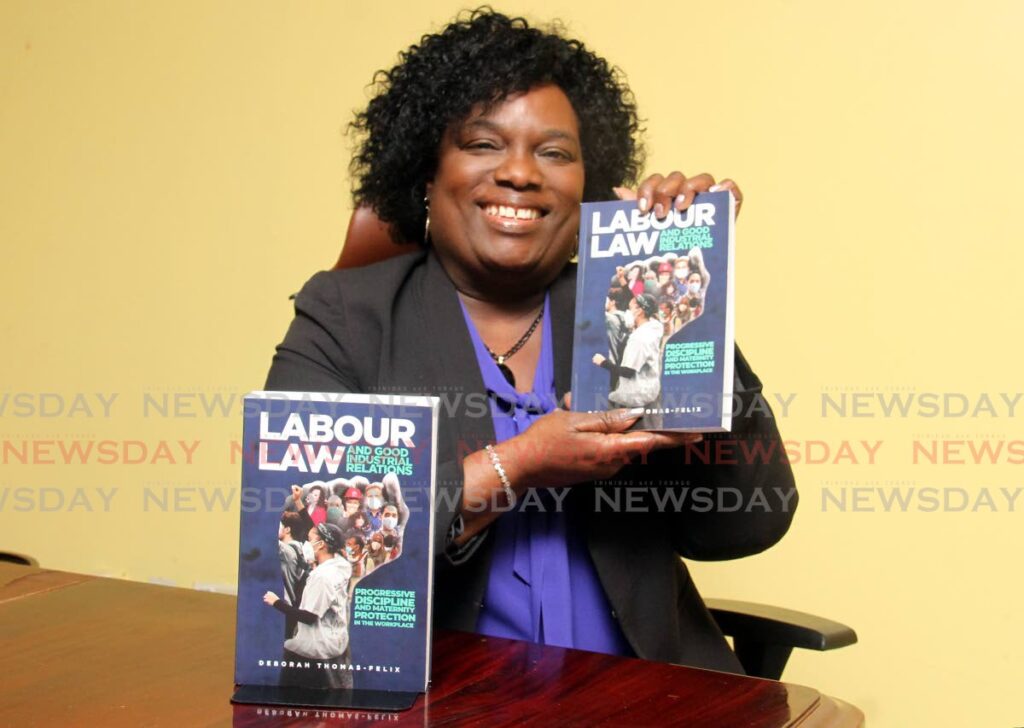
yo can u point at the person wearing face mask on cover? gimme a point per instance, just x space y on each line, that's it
639 372
373 503
680 272
376 554
694 283
514 128
335 511
321 617
693 298
389 521
391 529
355 552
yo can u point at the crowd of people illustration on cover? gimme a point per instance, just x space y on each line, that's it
647 303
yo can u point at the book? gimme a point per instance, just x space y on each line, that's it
335 550
654 313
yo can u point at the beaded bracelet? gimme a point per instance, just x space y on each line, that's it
506 485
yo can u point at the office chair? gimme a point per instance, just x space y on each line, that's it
13 558
763 636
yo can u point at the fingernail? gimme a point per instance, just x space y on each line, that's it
680 201
659 211
715 188
635 411
644 204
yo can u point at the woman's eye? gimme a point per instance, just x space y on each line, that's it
481 144
557 154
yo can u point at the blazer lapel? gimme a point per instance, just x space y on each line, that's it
452 361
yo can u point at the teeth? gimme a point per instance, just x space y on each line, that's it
513 213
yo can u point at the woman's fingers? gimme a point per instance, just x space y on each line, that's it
565 448
619 445
693 186
728 184
660 194
612 421
642 441
665 194
645 192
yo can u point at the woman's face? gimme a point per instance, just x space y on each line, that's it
505 198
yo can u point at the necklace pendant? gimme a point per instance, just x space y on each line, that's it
507 373
500 359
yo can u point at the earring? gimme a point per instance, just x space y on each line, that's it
426 225
574 256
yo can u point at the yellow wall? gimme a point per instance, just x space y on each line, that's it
171 172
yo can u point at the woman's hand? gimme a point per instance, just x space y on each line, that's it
598 359
297 497
565 448
561 448
270 599
662 193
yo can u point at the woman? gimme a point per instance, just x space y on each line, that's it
682 314
316 504
635 279
360 523
482 143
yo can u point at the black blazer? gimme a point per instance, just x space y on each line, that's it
397 327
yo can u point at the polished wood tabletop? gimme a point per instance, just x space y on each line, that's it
87 651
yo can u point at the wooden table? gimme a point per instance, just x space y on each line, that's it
86 651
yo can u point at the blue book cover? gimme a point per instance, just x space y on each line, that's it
336 545
654 313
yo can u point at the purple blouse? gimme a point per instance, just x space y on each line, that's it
543 586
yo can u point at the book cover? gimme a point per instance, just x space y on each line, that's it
654 313
336 548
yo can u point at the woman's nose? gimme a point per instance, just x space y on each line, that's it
519 169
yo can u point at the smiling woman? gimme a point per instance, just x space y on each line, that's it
504 201
461 72
482 142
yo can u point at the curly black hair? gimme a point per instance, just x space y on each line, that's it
482 58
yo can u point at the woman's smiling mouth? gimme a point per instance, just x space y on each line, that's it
508 212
